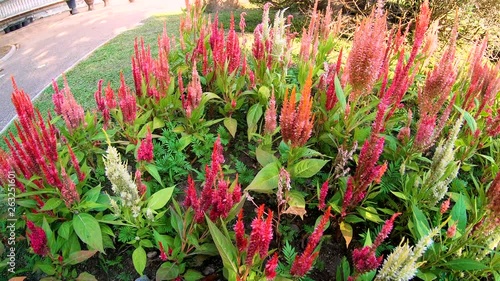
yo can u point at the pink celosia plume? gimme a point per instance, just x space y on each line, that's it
303 262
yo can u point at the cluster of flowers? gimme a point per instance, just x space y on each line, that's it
36 152
217 198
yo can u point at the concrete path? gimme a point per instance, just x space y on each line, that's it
50 46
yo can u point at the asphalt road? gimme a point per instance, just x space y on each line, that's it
52 45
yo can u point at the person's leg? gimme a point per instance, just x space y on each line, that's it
72 6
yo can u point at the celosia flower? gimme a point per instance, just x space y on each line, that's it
127 101
121 181
192 99
141 187
233 52
366 58
68 189
242 22
435 93
444 206
443 156
76 165
216 198
322 195
493 195
271 265
163 255
66 106
239 230
145 151
261 235
303 262
36 151
283 186
365 260
38 239
270 117
402 264
191 199
450 233
297 124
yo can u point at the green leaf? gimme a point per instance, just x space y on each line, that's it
46 268
78 257
176 221
51 204
420 221
167 271
85 276
65 229
153 171
88 230
164 239
225 247
468 118
264 157
92 195
369 213
160 198
339 92
426 276
192 275
307 168
157 123
400 195
139 259
266 179
459 214
253 116
465 264
231 125
343 270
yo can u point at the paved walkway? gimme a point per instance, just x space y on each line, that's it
50 46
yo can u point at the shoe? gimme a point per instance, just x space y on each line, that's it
73 11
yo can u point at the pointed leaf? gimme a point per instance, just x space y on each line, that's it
51 204
339 92
192 275
78 257
139 259
160 198
226 249
231 125
307 168
465 264
153 171
167 271
266 179
264 157
253 116
88 230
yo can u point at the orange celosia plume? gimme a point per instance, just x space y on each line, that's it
297 123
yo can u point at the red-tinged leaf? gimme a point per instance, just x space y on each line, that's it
78 257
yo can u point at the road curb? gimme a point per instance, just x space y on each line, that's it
9 54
